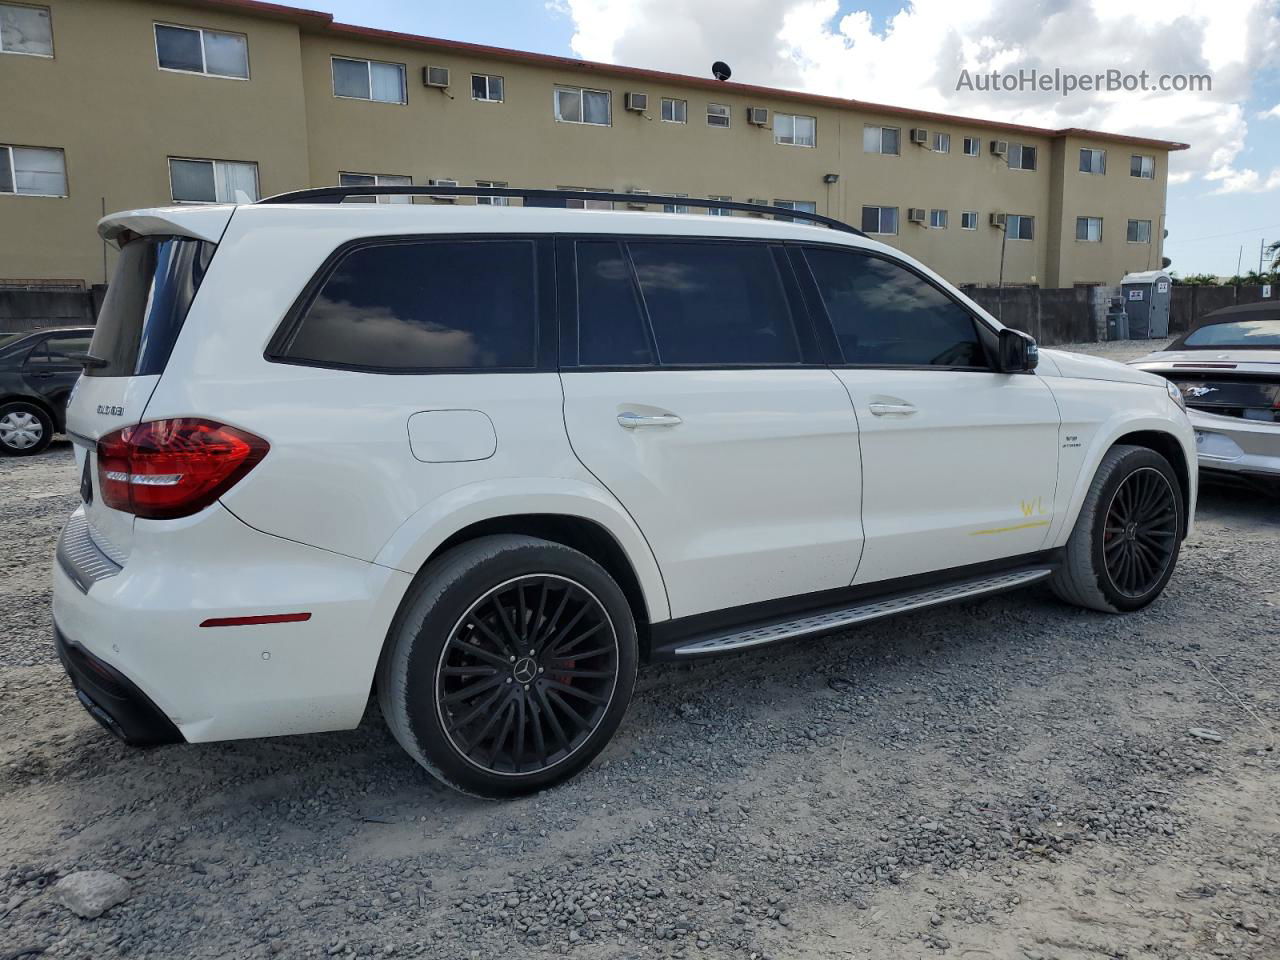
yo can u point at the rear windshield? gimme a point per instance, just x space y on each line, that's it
1242 333
146 303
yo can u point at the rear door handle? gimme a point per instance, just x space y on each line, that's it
892 409
632 420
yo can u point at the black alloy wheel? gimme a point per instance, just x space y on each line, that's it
1140 535
527 675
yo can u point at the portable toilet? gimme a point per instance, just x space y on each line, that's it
1146 301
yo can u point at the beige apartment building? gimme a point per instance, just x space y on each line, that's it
112 104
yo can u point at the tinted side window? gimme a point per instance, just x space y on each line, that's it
715 303
424 305
611 326
62 350
885 315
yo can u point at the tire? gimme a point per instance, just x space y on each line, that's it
25 429
460 690
1125 543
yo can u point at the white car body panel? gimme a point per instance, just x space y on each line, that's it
766 489
969 476
753 496
222 683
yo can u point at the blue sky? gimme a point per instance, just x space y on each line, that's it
1218 210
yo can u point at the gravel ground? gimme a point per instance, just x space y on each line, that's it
1002 778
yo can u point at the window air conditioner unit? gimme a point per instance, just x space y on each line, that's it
915 214
919 135
443 183
435 77
757 115
639 102
1000 148
998 219
637 204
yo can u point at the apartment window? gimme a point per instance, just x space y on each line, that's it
26 30
806 206
1093 161
937 219
588 204
881 140
797 131
676 207
368 80
720 211
33 171
1139 231
492 201
969 220
194 50
972 146
375 180
882 220
1142 166
579 105
1089 229
212 181
1020 227
942 143
717 115
486 87
1022 157
674 111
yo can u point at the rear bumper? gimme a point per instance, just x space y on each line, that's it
134 645
112 698
1234 445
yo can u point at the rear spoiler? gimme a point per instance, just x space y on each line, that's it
197 222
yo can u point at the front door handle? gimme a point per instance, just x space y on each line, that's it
632 420
892 409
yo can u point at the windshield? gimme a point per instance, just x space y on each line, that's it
147 301
1242 333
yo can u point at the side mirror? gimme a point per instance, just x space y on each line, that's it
1018 351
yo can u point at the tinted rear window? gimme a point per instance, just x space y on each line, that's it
715 303
1242 333
146 304
612 330
423 305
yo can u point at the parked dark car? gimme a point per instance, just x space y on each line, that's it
37 372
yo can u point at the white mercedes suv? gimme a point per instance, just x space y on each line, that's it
486 460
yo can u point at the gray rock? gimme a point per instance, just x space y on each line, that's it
91 893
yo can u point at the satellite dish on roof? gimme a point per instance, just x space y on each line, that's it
720 70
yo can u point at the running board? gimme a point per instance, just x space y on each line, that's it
862 612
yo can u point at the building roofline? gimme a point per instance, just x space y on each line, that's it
321 22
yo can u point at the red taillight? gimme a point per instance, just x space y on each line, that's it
173 468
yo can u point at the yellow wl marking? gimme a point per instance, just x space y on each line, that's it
1033 507
1017 526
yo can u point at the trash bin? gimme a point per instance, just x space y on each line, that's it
1117 320
1147 297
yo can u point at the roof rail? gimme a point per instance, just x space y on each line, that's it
550 198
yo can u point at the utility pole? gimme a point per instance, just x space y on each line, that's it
1262 252
1239 258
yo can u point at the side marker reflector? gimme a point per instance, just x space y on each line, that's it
254 621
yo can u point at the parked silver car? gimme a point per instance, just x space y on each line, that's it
1228 369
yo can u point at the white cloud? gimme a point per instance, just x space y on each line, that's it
915 57
1273 112
1244 181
